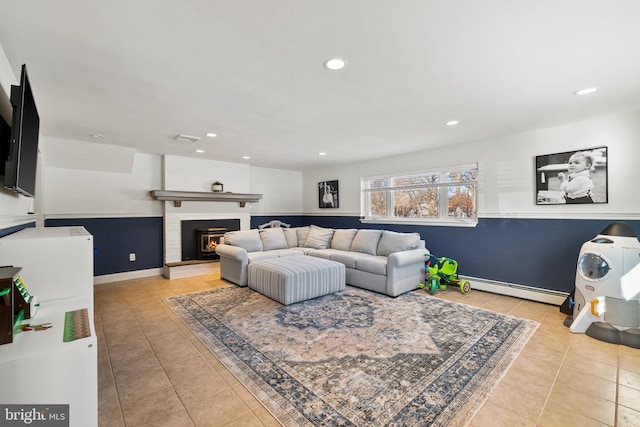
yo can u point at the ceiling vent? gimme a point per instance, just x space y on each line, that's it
187 138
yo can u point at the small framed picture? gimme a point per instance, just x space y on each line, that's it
572 177
328 194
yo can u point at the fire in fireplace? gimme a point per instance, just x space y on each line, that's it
207 239
199 238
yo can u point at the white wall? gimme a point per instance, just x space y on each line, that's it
78 190
191 174
507 172
69 192
281 189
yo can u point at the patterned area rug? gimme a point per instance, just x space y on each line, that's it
358 358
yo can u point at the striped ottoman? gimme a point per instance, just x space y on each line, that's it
296 278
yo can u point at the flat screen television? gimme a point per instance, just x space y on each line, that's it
5 138
21 165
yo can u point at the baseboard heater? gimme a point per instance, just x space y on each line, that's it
547 296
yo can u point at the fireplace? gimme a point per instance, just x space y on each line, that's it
207 239
199 238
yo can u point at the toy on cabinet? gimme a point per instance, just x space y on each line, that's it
16 304
6 305
23 300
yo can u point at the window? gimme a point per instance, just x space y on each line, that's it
446 196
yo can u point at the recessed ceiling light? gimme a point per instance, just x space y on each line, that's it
200 151
211 134
585 91
452 122
335 64
246 157
322 154
97 135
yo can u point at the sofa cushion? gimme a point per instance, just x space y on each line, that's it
259 255
302 234
372 264
318 238
366 241
349 259
320 253
273 238
391 242
249 240
280 253
291 234
342 239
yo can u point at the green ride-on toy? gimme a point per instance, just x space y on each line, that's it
442 272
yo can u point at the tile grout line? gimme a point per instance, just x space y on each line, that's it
553 383
615 409
154 297
113 376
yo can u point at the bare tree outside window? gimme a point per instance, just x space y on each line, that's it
462 197
421 196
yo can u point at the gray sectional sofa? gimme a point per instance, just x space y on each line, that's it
378 260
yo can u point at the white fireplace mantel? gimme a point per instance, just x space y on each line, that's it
177 197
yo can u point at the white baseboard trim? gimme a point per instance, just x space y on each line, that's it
116 277
519 291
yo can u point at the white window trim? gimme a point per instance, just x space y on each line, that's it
453 222
443 220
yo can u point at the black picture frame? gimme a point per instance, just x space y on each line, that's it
328 194
587 184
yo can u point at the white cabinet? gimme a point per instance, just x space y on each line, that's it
39 367
57 262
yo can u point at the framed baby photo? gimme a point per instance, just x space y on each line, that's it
572 177
328 194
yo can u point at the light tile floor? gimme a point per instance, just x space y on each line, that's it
154 372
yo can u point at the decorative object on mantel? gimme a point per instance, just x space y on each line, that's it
177 197
217 187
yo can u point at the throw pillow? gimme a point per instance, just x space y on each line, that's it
302 234
391 242
291 234
273 238
366 241
342 239
318 238
249 240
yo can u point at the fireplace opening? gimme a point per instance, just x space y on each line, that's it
207 239
199 238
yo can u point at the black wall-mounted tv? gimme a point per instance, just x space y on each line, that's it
21 165
5 138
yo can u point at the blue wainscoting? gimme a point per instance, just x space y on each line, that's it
533 252
11 230
115 238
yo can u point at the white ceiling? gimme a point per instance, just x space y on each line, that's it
141 72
